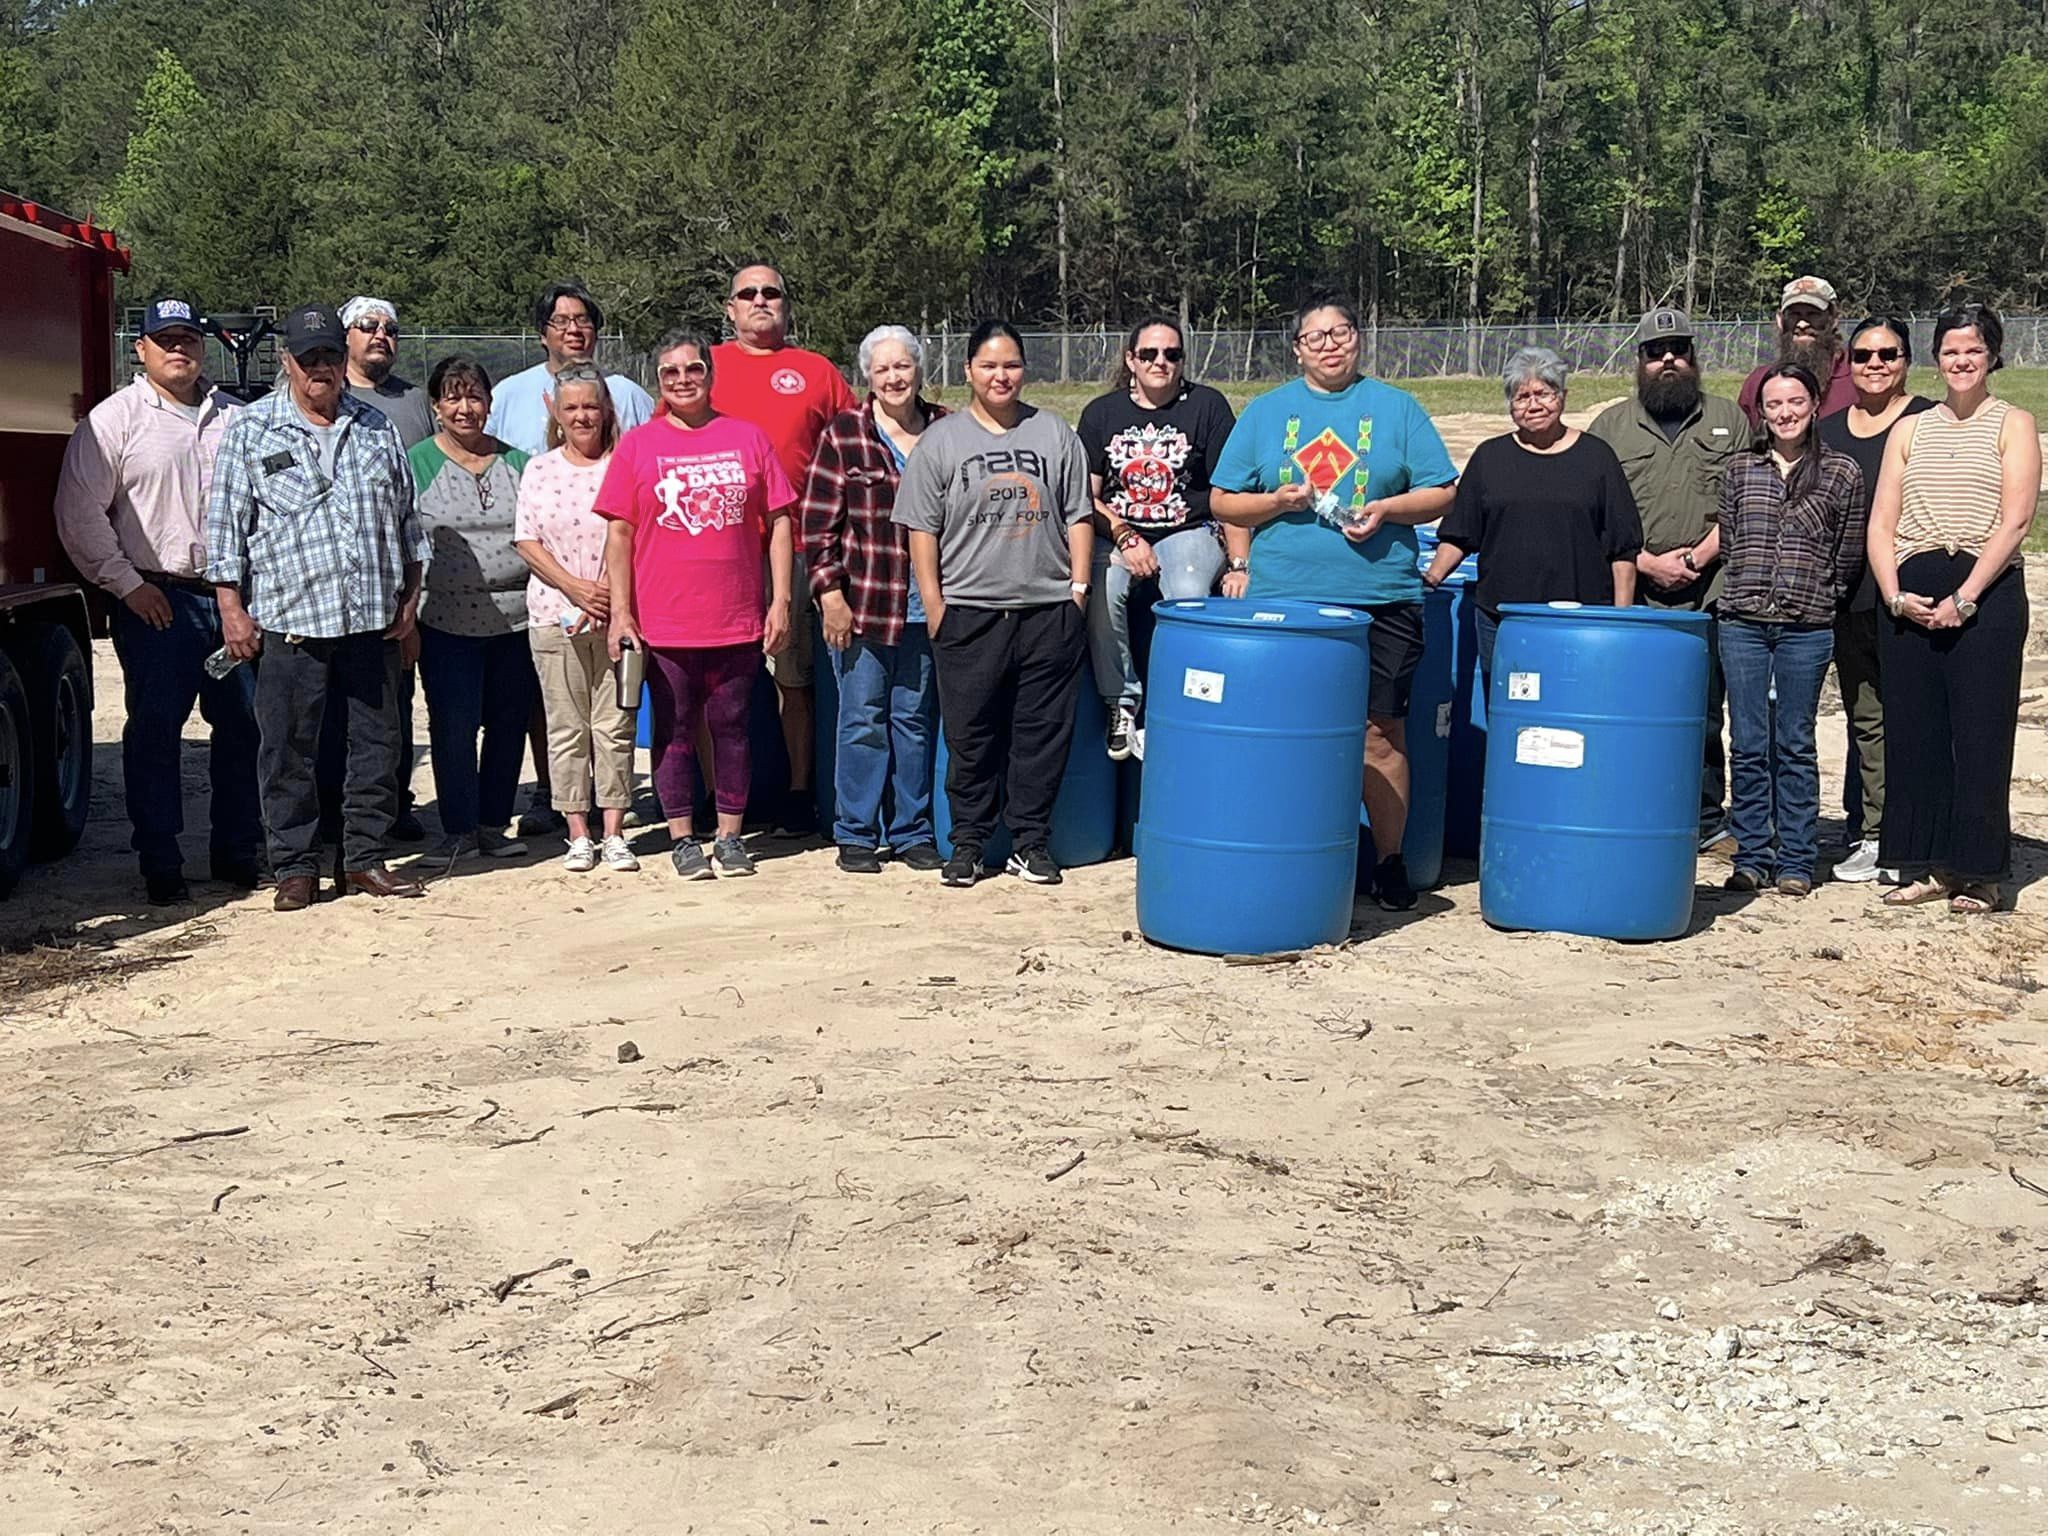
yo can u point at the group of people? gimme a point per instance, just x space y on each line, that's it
1826 515
522 542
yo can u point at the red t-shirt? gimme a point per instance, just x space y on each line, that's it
696 497
790 394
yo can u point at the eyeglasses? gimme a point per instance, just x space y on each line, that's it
1154 354
1670 346
1335 336
1541 395
767 295
1875 354
377 327
670 373
572 323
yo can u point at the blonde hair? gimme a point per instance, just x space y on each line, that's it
586 373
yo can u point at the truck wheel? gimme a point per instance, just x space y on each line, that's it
17 776
60 725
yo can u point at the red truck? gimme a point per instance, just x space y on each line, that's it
56 363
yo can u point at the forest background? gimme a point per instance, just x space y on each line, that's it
1063 162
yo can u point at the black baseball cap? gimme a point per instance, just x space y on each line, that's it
310 327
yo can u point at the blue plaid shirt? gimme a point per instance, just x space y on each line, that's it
315 557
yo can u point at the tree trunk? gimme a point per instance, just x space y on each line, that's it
1478 105
1191 120
1056 20
1628 208
1693 220
1540 20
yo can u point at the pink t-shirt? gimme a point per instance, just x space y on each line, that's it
555 499
697 498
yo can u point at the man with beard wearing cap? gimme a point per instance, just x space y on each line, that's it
1674 441
1809 335
315 550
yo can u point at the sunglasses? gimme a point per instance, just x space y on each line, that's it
1153 354
767 295
1874 354
1657 351
375 327
671 373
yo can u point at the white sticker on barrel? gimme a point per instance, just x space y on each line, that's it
1545 746
1206 686
1268 617
1443 719
1525 686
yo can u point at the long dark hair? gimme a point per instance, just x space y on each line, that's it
1806 473
1121 381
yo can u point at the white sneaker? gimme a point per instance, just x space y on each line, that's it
618 856
1861 864
582 856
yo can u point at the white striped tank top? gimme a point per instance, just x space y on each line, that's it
1950 496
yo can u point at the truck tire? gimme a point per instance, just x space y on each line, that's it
53 671
17 776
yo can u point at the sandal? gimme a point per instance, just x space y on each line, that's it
1918 892
1975 900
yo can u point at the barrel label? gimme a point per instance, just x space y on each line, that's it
1544 746
1206 686
1267 616
1525 686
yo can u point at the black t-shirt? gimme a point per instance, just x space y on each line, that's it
1155 465
1547 527
1868 452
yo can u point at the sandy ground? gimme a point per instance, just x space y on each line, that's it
1439 1230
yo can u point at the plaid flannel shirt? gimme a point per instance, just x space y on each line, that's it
849 541
315 557
1790 560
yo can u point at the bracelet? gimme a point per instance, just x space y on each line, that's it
1129 537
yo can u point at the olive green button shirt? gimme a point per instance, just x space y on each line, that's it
1677 484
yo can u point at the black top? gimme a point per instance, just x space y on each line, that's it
1155 465
1868 452
1547 526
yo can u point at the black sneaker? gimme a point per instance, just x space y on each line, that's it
169 890
1390 887
964 868
1744 880
1035 865
407 829
859 861
242 874
920 856
1123 723
799 814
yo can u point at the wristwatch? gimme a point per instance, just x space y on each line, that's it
1237 565
1685 559
1897 603
1078 588
1965 609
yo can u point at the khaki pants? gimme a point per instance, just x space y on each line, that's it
585 722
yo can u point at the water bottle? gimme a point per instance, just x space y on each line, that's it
628 672
221 663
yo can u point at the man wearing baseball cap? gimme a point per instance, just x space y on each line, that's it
316 551
1809 334
131 512
1674 442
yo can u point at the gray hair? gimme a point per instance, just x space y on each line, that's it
1539 363
882 333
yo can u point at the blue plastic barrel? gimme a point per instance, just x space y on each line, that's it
1084 815
1247 838
1597 721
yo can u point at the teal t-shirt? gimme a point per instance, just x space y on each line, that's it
1294 434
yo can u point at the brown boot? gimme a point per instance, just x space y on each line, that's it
379 881
294 893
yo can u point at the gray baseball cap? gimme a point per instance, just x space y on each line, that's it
1664 325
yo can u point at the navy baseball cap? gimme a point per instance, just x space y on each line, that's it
309 327
169 315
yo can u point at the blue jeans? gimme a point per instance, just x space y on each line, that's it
1189 563
1774 771
476 684
888 737
163 674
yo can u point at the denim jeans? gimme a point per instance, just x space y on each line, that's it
163 674
888 738
1189 563
1774 772
476 684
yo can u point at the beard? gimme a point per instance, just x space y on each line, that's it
1816 354
1668 393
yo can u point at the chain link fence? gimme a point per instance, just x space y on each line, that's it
1259 354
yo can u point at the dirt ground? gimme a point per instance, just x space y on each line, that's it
930 1211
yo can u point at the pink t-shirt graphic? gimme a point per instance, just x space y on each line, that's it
696 498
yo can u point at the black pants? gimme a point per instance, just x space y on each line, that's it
293 685
1007 679
1951 707
334 755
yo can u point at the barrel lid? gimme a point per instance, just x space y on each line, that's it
1583 613
1284 613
